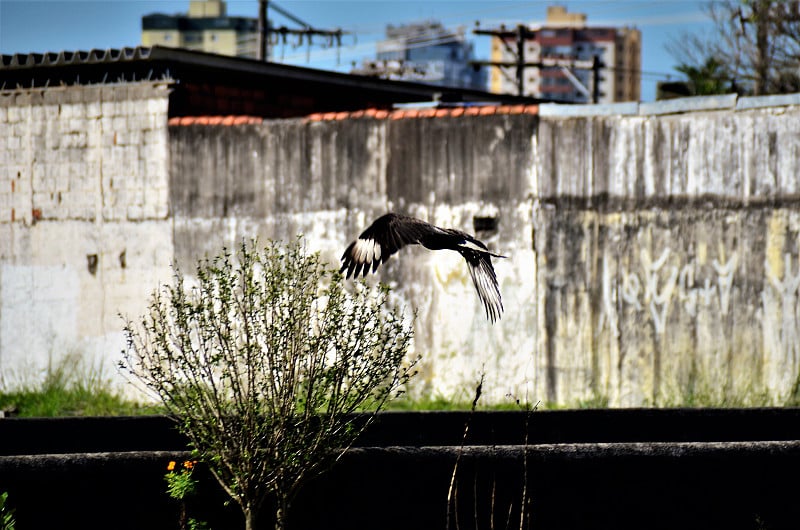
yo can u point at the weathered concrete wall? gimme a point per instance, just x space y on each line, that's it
669 252
652 257
647 252
328 180
84 226
740 156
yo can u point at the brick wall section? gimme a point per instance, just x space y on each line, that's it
84 228
85 153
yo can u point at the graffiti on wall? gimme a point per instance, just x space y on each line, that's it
655 287
782 334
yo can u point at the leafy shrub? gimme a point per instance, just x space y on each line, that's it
263 363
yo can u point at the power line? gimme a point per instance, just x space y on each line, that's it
307 32
416 44
430 38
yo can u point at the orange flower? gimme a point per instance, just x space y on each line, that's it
189 464
171 466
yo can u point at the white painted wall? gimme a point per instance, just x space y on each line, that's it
84 173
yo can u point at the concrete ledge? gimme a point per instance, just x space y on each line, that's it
691 104
670 106
63 462
592 450
757 102
556 110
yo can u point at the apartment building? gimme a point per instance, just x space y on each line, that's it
564 49
206 27
426 52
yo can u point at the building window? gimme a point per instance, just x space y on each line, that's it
167 37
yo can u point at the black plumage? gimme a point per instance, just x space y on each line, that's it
391 232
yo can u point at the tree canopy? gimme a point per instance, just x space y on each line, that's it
754 49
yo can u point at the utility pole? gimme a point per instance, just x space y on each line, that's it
596 79
521 34
263 30
306 32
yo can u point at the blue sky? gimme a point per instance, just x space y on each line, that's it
55 25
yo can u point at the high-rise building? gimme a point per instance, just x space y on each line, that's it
426 52
560 44
206 28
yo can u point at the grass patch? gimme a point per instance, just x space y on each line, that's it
429 403
70 389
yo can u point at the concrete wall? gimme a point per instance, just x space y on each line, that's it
84 226
671 247
652 253
330 179
648 252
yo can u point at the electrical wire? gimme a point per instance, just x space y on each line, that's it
365 47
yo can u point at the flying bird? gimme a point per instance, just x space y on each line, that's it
391 232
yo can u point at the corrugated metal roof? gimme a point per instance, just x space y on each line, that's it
156 60
67 58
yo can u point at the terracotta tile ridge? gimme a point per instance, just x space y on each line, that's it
425 112
230 119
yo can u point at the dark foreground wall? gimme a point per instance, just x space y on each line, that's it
571 469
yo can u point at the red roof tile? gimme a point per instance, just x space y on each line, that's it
214 120
378 114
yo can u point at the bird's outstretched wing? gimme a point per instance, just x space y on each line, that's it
388 234
485 281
